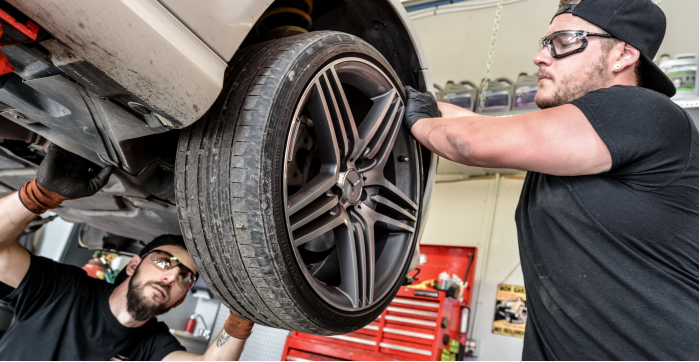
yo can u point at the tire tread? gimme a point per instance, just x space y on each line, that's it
221 205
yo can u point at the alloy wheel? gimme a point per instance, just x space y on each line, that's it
351 184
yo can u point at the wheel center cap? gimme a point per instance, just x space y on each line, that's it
351 184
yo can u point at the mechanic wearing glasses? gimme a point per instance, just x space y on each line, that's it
62 314
608 215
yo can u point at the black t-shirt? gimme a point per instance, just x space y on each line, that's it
62 314
611 260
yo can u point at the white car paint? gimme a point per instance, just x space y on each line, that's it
221 24
173 53
142 46
170 53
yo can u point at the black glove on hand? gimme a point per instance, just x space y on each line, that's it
69 175
418 106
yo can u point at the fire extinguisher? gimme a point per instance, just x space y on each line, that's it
191 324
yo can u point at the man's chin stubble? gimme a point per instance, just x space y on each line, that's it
139 306
567 91
562 95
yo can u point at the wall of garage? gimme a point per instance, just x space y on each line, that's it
480 212
475 212
457 42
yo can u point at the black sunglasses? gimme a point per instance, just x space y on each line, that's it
567 42
166 261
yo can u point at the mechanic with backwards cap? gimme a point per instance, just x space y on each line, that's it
608 216
62 314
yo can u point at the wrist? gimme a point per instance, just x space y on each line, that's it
417 125
38 199
237 327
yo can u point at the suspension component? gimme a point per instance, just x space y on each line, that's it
285 18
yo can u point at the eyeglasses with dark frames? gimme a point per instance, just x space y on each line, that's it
566 42
166 261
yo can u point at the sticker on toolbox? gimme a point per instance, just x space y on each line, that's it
511 311
425 293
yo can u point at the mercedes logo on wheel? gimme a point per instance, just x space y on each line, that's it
351 184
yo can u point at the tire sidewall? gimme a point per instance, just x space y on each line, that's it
302 68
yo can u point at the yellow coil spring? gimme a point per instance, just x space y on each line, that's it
285 18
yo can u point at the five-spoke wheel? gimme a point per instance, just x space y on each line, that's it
299 194
351 184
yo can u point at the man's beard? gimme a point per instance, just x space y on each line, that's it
138 305
567 89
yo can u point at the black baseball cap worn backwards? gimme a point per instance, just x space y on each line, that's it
639 23
176 240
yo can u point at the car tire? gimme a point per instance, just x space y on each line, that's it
240 199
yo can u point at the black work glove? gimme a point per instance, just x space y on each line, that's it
418 106
69 175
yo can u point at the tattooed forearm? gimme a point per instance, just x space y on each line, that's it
225 349
223 338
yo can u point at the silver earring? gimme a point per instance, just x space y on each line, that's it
617 66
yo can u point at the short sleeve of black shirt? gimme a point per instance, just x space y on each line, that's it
648 138
45 283
155 345
610 261
62 314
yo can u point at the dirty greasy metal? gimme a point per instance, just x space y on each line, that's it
144 65
142 47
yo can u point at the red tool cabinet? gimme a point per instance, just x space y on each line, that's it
415 326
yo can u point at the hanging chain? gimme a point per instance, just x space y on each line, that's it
511 273
485 81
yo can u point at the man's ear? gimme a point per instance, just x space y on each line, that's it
627 57
133 264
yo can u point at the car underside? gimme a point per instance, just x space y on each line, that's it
283 145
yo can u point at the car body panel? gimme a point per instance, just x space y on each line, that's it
172 55
432 168
140 45
408 24
221 24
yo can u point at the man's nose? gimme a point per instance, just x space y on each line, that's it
543 57
170 276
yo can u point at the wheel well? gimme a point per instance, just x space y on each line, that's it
375 22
